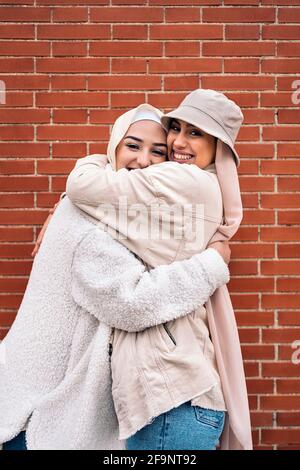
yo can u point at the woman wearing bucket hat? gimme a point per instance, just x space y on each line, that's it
217 121
54 368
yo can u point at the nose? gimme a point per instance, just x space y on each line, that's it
143 159
180 140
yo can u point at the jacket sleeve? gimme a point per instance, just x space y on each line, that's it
93 182
110 283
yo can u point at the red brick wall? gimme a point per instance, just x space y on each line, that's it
72 68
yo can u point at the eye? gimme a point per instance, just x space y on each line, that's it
159 153
174 127
132 146
195 132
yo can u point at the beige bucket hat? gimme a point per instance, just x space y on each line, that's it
212 112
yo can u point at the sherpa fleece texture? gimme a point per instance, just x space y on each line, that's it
82 283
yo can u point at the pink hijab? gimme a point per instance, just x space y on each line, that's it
222 323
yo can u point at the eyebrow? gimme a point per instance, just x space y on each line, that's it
140 140
188 124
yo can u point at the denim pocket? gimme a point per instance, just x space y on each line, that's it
211 418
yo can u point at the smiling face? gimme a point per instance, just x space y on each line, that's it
144 144
189 144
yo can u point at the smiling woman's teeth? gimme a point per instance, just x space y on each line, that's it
178 156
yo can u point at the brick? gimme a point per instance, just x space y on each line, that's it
260 386
47 199
279 267
277 99
241 65
238 15
251 250
71 99
282 436
182 48
280 167
16 200
288 116
78 116
72 65
184 65
121 49
12 285
184 2
70 14
15 267
72 133
16 167
70 82
22 48
74 32
125 82
258 352
202 31
126 15
15 250
16 234
289 217
28 217
280 32
240 284
288 385
24 14
128 32
70 48
238 48
125 100
289 15
182 15
16 133
26 116
241 31
288 49
73 2
181 83
260 183
249 335
281 300
24 150
55 167
280 200
19 31
254 318
16 65
239 83
280 234
288 183
129 65
279 369
289 318
280 65
29 183
288 419
105 116
26 82
69 150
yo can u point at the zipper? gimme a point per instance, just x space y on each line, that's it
169 334
110 346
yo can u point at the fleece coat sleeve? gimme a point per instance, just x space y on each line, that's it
110 283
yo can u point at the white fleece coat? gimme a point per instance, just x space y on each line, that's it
56 368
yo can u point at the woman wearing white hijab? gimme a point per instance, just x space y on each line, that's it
55 374
215 116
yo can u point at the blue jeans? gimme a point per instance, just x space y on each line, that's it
17 443
186 428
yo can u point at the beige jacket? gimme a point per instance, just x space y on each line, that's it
187 368
149 197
